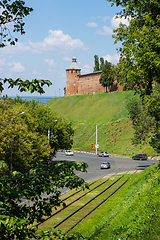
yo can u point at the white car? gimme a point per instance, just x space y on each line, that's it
103 154
69 153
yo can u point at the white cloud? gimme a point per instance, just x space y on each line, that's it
116 21
67 59
104 18
87 69
50 62
16 67
91 24
18 47
57 41
106 31
113 59
2 62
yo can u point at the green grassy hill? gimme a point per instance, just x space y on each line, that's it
106 110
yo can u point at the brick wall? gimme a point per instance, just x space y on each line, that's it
90 83
86 83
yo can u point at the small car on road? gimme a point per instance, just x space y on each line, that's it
105 165
69 153
140 156
103 154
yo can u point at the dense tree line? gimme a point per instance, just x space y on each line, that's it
27 134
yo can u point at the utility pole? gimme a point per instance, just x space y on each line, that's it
96 139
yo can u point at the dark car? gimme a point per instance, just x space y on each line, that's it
103 154
104 165
140 156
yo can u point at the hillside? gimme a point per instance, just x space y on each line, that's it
106 110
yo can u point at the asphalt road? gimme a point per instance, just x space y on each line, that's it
118 164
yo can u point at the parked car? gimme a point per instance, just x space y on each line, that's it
69 153
104 165
140 156
103 154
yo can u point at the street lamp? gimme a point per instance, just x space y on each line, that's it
11 167
49 133
96 139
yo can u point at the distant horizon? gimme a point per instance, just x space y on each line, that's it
41 99
32 96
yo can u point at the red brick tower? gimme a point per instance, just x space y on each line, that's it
72 80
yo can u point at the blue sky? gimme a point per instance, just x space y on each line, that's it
55 32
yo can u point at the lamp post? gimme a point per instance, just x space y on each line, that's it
11 165
96 139
49 133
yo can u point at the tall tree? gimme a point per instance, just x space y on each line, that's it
96 63
106 78
140 51
145 116
20 144
101 63
139 65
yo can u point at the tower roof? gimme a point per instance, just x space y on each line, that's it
74 64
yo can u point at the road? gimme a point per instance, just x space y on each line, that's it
118 164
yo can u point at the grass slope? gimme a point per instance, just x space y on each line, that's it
132 213
106 110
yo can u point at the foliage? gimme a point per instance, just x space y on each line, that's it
145 116
101 63
106 78
26 85
19 140
61 136
25 136
139 64
22 204
24 139
96 62
64 89
12 12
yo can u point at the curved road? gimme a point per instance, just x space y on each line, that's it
118 164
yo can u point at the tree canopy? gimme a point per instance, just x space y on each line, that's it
139 65
15 12
12 12
96 63
23 136
106 78
17 219
27 134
